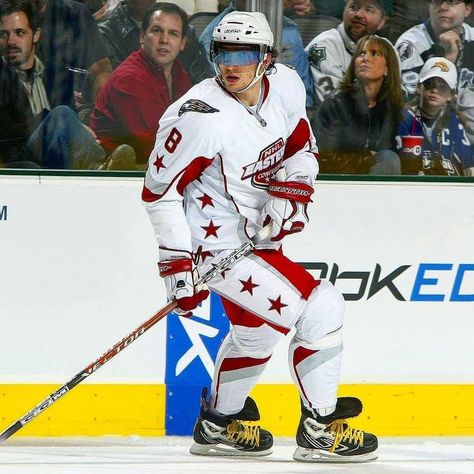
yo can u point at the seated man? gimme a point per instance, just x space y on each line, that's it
130 105
121 32
331 51
445 34
292 48
51 137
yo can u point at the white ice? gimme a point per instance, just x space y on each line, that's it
127 455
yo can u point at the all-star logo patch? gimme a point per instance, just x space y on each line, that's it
268 161
195 105
317 54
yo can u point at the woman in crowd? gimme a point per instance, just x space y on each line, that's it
431 138
356 127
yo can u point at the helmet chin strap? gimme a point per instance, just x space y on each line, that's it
256 78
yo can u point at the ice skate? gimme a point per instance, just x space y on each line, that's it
330 439
220 435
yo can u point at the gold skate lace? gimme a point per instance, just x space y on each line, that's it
343 432
239 432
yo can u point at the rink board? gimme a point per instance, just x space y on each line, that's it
78 272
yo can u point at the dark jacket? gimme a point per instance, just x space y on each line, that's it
14 117
122 36
347 131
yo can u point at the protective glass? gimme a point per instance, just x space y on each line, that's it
436 83
451 3
239 57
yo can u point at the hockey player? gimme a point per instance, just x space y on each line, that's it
232 153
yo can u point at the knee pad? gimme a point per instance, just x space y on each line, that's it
333 339
323 314
255 341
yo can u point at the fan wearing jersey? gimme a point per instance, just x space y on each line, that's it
431 138
444 34
236 152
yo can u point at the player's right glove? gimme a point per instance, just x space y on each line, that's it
287 205
178 273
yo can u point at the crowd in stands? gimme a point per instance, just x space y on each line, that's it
390 89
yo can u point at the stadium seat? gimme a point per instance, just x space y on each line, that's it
200 20
309 27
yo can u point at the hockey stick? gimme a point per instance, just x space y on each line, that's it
224 264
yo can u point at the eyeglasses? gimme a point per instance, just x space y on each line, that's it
451 3
436 83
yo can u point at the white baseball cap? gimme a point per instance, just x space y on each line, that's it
442 68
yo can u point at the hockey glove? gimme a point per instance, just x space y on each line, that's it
180 285
287 205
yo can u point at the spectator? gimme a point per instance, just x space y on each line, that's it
444 34
355 128
131 104
51 137
292 47
71 41
431 138
331 51
122 34
56 142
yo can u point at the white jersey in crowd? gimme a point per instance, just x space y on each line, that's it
206 183
329 56
417 45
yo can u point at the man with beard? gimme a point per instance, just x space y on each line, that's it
53 137
331 51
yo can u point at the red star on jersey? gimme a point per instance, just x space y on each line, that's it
277 305
211 229
159 163
205 254
206 201
248 286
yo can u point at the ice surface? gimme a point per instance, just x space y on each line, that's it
127 455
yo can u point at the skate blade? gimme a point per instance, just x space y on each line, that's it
319 455
223 450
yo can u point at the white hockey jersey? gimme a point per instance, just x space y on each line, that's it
329 56
417 45
206 183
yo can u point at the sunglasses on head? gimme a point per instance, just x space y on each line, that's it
436 83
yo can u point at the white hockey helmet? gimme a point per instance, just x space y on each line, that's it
249 29
244 27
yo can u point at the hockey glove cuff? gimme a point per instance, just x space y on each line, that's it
180 284
287 207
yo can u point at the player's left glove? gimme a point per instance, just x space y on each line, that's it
287 204
179 276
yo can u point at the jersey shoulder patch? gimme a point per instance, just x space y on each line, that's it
317 54
405 50
196 105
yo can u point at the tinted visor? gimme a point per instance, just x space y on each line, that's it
237 57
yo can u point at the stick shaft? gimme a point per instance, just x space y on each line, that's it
224 264
90 369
